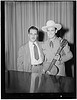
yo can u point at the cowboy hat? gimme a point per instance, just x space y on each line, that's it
51 23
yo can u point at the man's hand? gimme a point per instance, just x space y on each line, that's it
57 57
48 72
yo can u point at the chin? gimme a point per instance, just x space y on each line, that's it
50 37
33 40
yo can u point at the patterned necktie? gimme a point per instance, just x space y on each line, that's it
51 44
36 52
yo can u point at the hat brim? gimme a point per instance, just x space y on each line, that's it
58 26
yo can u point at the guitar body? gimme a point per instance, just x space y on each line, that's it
54 69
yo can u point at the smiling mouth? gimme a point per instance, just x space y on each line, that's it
51 36
33 38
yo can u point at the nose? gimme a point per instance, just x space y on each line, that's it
33 36
49 33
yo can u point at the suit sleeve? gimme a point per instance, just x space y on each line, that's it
66 54
20 59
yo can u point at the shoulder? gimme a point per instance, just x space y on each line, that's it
40 43
65 42
45 44
26 44
23 46
60 39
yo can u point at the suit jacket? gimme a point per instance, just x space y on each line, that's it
50 53
24 60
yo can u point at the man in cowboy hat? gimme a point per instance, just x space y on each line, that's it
50 48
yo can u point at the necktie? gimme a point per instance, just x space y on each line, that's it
36 52
51 44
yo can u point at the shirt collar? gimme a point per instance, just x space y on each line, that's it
32 42
53 39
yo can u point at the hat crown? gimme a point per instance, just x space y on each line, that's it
50 23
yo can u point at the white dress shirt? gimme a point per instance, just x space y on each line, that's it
33 60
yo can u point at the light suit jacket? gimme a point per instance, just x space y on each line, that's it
24 60
50 53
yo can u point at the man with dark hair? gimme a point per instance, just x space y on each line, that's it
30 57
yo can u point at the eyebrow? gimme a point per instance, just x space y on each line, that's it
51 30
33 34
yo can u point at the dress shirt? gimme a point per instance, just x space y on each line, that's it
33 60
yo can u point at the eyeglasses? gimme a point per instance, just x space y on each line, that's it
32 34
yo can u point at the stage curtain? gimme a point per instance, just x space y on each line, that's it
19 16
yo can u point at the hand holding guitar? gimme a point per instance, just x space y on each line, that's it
57 57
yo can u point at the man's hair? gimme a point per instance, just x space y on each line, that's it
33 27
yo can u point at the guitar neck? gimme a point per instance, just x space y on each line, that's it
51 64
54 60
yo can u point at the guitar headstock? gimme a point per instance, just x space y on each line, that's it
63 43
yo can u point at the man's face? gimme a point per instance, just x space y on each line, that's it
33 35
51 32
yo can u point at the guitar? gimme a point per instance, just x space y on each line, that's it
52 64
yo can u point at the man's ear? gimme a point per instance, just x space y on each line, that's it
56 31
